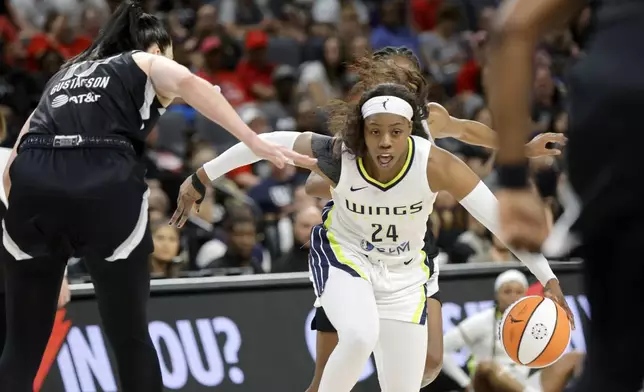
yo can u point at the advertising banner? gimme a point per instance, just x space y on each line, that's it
242 339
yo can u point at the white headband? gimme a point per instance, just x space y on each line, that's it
387 104
511 275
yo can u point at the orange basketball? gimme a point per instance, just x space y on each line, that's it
535 331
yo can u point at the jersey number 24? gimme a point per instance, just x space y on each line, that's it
378 235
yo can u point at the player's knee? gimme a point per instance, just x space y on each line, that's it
360 339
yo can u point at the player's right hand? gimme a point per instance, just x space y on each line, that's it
189 196
279 155
553 291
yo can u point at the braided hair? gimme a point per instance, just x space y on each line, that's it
382 67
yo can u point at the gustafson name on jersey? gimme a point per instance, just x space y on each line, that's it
80 82
75 83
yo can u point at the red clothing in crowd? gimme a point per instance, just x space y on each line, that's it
240 170
535 289
467 78
41 43
251 75
8 31
424 13
232 87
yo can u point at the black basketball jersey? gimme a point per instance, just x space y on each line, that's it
106 97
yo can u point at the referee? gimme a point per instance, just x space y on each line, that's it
76 188
605 168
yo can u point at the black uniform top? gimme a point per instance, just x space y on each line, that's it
106 97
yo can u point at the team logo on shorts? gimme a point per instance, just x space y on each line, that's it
366 245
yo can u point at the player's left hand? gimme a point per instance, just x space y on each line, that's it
189 196
553 291
537 147
65 294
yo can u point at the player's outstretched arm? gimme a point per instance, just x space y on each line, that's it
445 172
193 188
515 34
241 155
171 80
442 125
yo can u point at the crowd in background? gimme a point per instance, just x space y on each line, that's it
278 62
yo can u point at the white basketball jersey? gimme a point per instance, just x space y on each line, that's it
388 221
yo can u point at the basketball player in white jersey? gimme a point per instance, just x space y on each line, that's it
367 260
403 66
443 125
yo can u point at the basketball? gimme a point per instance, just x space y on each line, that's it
535 331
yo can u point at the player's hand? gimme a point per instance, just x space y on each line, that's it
522 218
438 118
468 388
65 294
553 291
537 147
189 196
279 155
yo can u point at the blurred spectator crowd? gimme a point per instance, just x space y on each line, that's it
278 62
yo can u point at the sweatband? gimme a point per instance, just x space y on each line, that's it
387 104
240 155
484 207
508 276
513 176
199 187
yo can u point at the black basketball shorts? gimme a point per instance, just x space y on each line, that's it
76 202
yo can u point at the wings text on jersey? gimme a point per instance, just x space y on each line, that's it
361 209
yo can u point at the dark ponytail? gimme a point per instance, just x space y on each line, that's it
129 28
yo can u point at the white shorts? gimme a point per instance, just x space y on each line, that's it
400 290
